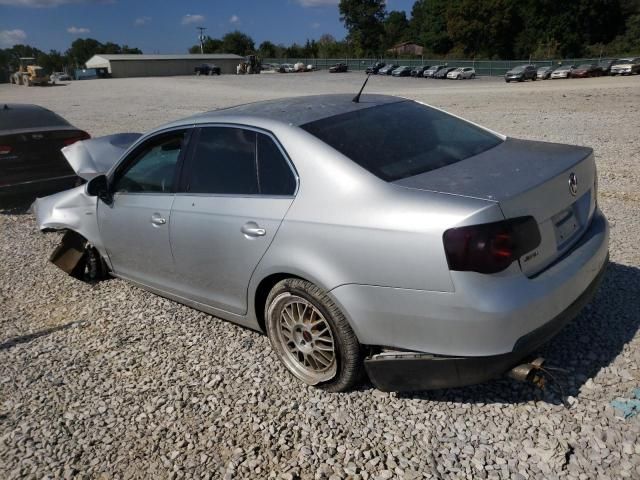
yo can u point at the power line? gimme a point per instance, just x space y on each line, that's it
201 37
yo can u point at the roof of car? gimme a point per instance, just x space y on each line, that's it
16 116
298 110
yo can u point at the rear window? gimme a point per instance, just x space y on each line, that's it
403 139
17 117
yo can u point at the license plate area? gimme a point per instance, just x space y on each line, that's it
566 225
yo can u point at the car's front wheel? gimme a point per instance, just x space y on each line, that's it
312 337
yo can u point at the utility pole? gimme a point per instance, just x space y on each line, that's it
201 37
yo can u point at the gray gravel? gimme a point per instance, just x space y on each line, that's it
108 381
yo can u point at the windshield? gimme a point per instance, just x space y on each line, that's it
402 139
517 69
585 66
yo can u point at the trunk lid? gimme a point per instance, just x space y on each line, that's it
554 183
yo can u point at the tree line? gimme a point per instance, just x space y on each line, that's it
486 29
76 56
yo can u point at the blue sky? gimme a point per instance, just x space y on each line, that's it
166 26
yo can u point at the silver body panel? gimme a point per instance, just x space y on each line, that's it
375 246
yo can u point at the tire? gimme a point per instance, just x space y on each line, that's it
299 317
473 75
197 73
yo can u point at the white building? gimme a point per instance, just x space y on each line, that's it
125 65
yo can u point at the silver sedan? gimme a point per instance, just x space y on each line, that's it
382 235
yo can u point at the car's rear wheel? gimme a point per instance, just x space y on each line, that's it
312 337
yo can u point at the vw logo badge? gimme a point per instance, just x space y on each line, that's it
573 184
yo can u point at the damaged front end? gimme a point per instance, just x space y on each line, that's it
81 253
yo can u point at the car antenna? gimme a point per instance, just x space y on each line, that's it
356 99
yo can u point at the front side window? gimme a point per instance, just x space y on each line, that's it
398 140
237 161
153 169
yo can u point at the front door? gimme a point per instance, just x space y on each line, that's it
135 226
238 186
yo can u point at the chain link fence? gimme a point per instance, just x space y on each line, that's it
482 67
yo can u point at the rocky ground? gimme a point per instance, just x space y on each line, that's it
108 381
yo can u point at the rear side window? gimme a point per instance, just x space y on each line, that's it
276 177
402 139
237 161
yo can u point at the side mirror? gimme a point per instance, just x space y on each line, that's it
99 187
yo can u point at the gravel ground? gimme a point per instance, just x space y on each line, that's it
109 381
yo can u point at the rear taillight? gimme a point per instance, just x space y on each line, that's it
5 149
490 247
72 140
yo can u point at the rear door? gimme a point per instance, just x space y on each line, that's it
238 185
135 226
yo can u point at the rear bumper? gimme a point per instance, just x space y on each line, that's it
412 371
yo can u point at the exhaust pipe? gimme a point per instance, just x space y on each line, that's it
528 372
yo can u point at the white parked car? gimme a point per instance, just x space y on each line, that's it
626 66
563 72
461 73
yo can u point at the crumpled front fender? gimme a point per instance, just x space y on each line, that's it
70 210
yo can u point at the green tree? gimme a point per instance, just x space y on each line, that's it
209 45
396 29
429 25
363 20
268 50
82 49
238 43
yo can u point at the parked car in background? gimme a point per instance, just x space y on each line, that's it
563 71
626 66
286 68
388 69
419 71
431 71
30 141
462 73
491 244
60 77
207 69
521 73
403 71
373 69
339 68
543 73
443 72
606 65
586 70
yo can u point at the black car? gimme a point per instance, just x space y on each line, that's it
605 66
432 71
375 68
402 72
388 69
31 138
339 68
419 71
442 73
521 73
207 69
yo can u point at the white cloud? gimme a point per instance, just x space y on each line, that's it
47 3
315 25
9 38
141 21
234 19
318 3
78 30
188 19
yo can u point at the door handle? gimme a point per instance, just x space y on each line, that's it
252 229
158 219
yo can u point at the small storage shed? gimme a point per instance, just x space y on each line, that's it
125 65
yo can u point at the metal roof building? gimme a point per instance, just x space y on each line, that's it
124 65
